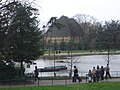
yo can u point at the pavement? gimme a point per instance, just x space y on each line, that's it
54 82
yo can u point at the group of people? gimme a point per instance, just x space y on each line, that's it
97 74
94 75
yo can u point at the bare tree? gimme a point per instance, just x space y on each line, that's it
85 21
88 24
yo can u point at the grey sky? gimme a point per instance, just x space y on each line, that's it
100 9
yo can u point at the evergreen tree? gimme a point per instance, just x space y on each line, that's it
23 36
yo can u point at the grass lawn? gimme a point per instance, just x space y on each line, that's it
73 51
88 86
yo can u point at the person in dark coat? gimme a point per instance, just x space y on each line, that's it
36 73
102 73
98 73
76 75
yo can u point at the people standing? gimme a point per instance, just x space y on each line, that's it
98 73
107 72
102 73
94 74
36 73
90 76
76 75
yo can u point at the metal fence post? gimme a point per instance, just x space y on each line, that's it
86 78
65 80
52 81
10 83
117 73
38 82
24 83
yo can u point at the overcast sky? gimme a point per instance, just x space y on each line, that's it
100 9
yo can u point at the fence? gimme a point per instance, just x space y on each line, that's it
51 81
115 73
63 80
81 73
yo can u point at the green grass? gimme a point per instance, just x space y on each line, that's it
88 86
73 51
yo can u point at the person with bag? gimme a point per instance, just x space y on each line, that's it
76 75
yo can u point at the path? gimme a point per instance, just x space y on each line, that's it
54 82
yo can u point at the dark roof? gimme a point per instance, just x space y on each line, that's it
69 26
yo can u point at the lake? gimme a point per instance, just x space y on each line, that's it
83 63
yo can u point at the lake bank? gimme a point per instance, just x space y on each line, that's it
65 55
83 63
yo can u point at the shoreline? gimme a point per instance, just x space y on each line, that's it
65 55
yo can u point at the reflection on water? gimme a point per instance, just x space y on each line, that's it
83 63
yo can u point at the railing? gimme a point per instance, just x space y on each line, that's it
62 80
115 73
51 81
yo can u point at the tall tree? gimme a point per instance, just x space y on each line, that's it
7 8
87 23
109 34
23 36
109 37
6 12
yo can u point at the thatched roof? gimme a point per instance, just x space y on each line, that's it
68 27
